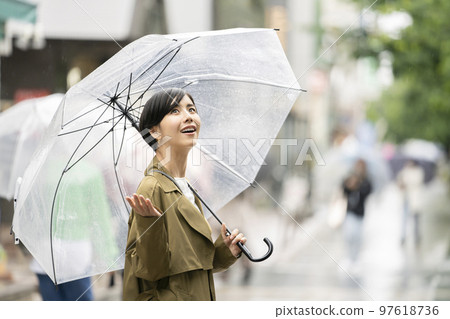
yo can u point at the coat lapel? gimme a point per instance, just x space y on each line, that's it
194 218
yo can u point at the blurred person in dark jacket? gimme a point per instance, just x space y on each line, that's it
356 188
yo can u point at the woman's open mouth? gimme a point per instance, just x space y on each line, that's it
189 130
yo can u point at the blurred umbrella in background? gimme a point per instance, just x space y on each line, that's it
21 128
426 154
243 87
422 150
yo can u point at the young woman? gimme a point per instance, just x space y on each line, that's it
170 253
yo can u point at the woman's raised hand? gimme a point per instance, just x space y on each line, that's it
142 206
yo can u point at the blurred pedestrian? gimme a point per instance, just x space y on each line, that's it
76 290
356 188
5 273
170 253
71 244
410 180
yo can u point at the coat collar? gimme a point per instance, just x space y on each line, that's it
194 218
166 184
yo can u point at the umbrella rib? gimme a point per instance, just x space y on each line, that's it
113 140
82 140
253 82
88 127
128 95
88 151
95 108
76 118
115 161
150 67
122 195
154 81
137 108
135 112
51 226
164 56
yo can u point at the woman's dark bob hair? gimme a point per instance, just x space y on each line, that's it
159 105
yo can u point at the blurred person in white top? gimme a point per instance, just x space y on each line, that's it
410 181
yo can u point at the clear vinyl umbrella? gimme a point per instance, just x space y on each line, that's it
21 128
243 87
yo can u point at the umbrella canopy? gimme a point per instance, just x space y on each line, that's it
398 162
243 87
21 128
422 150
426 154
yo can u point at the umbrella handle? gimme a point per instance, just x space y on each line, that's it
247 253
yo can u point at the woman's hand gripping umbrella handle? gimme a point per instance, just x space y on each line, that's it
245 250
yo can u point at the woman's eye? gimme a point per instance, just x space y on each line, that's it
174 111
193 109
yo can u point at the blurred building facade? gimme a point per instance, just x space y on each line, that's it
79 36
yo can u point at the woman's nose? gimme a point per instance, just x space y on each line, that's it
188 117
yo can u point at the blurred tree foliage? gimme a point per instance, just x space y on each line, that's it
417 105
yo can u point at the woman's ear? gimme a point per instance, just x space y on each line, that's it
155 133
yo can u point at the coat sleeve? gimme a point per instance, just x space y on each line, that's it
150 253
223 258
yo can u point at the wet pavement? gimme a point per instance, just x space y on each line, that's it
314 265
310 260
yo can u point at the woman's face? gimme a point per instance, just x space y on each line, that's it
180 127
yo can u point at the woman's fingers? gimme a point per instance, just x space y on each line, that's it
237 239
130 201
234 233
137 202
143 206
152 208
223 231
142 201
234 237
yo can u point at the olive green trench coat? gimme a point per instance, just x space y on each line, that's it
171 257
